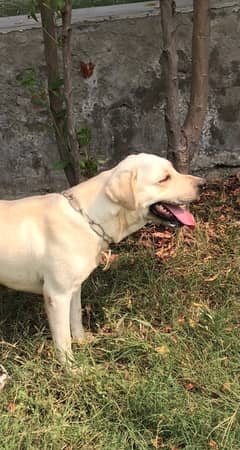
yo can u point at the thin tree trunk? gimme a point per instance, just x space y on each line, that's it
57 104
199 84
170 77
183 142
67 70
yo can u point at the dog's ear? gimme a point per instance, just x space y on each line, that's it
121 188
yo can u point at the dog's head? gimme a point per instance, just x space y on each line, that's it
150 186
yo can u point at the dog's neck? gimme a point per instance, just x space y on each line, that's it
96 227
115 221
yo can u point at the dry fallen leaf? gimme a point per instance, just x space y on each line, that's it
164 242
174 338
40 348
12 407
162 234
213 278
181 320
226 386
157 442
187 236
162 349
164 253
190 386
107 259
192 323
166 329
127 375
213 444
200 305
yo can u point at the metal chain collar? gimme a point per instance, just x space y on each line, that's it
96 227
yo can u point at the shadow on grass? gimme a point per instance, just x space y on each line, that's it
20 314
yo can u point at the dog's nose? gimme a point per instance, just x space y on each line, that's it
202 184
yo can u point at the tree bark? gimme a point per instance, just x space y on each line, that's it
67 71
170 77
197 111
183 142
57 105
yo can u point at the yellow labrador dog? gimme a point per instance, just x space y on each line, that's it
51 243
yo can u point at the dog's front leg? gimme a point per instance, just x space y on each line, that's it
77 329
58 312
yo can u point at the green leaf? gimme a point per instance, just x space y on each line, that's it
29 82
84 135
57 5
89 167
32 14
29 78
56 84
33 10
35 100
82 164
60 114
60 165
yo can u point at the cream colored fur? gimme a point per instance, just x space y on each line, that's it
48 247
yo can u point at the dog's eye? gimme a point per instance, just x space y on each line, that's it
166 178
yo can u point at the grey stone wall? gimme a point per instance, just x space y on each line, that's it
123 101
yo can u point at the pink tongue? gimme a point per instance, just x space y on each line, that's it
183 215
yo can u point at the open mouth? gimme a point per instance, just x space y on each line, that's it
173 215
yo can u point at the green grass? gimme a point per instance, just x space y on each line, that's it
162 370
16 7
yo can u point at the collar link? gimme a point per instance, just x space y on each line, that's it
96 227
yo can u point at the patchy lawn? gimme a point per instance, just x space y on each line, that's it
162 370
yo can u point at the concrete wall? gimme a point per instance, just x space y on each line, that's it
122 102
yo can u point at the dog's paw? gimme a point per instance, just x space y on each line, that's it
83 340
4 377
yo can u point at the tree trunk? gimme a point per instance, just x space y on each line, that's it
57 104
197 111
67 71
183 142
170 77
